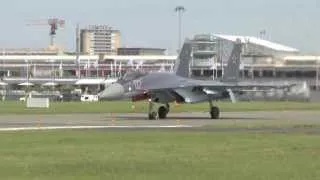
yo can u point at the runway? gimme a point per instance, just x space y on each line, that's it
139 120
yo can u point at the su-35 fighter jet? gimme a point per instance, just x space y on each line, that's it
166 87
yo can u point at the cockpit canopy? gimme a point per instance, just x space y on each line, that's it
131 75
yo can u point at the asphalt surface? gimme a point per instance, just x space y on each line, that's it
305 121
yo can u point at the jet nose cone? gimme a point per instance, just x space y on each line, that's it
112 92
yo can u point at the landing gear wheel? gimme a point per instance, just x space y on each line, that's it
152 116
215 112
162 112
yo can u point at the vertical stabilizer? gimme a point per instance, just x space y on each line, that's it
231 72
181 67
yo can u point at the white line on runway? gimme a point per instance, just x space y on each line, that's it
88 127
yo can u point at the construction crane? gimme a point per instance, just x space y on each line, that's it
54 24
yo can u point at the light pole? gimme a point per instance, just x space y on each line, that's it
27 62
3 69
317 75
53 73
180 10
78 50
262 34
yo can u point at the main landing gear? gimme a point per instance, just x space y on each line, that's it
158 112
214 111
161 112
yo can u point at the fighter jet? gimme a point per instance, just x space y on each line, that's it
167 87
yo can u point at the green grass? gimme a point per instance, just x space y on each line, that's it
156 155
126 107
298 124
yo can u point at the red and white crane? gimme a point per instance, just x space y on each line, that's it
54 25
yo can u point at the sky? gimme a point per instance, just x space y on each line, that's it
154 23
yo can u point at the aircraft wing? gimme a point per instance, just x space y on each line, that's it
213 85
190 89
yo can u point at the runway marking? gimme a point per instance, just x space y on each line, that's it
88 127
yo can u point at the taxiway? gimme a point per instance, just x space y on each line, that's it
139 120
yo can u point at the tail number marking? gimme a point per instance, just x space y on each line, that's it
137 84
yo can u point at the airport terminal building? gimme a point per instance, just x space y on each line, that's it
260 60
